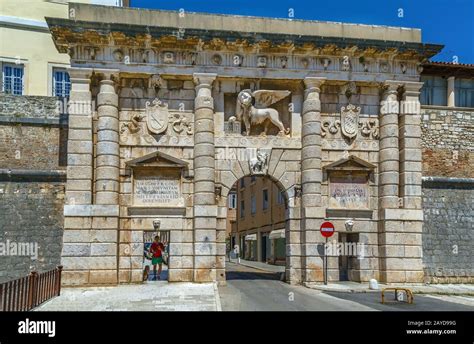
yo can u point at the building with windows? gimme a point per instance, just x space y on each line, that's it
260 220
29 61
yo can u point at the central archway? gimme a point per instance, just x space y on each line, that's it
256 229
283 171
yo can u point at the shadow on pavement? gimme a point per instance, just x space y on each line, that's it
243 275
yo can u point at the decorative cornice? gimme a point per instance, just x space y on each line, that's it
69 32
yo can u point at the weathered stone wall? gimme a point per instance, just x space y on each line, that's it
447 142
32 161
448 231
448 196
31 212
32 133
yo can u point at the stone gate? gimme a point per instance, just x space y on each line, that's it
167 112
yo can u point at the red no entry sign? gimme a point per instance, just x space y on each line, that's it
327 229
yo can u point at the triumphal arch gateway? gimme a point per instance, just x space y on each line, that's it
168 110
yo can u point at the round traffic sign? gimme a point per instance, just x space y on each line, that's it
327 229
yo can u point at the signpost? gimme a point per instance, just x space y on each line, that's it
327 230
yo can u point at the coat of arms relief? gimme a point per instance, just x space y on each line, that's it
350 125
157 119
157 115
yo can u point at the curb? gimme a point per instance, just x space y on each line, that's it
218 298
260 268
414 291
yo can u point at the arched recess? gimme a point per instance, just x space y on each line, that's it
288 179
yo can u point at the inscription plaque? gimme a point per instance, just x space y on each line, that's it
157 190
349 191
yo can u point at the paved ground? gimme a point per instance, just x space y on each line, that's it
355 287
421 302
249 289
151 296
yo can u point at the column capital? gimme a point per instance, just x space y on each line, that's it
109 74
80 73
313 82
412 88
390 87
204 79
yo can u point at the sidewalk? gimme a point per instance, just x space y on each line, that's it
355 287
150 296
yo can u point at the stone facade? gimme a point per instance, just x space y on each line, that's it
32 213
448 145
448 232
32 178
151 149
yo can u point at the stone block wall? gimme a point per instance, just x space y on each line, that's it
33 140
448 194
31 213
448 231
32 133
447 142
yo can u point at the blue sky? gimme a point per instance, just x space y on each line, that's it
447 22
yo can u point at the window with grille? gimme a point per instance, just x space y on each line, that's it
61 83
12 79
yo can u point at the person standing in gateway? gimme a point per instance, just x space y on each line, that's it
157 249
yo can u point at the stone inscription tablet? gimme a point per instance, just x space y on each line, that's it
351 192
157 190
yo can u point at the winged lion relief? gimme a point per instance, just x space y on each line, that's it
252 109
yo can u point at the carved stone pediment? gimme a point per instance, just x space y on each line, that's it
157 159
351 163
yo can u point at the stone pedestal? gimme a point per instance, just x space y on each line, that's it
205 208
311 177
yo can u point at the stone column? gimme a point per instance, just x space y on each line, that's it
400 185
108 151
388 155
410 146
451 95
410 182
106 200
80 145
205 208
311 177
388 179
77 224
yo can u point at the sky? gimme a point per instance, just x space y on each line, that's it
446 22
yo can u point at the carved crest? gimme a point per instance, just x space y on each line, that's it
350 120
157 115
259 163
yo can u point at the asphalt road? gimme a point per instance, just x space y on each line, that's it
249 289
